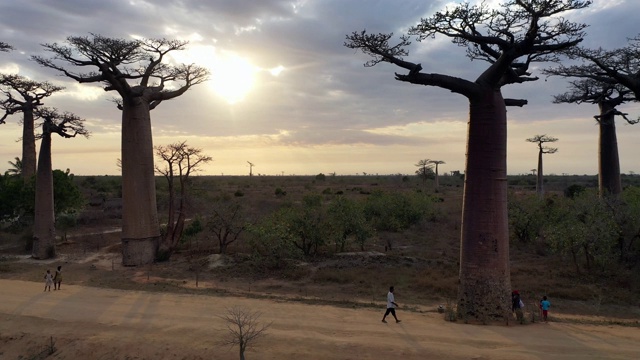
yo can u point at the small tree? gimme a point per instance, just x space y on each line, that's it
542 149
244 328
180 160
227 223
66 125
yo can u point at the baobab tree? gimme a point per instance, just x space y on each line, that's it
621 66
424 169
510 37
436 163
607 95
139 72
22 95
178 160
66 125
540 140
251 165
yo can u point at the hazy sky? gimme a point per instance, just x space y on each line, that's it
286 94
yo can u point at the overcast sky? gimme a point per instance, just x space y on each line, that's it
286 95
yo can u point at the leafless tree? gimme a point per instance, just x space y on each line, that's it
437 162
178 160
22 95
139 72
591 87
66 125
510 37
540 140
244 328
227 223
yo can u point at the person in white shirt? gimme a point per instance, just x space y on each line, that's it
391 306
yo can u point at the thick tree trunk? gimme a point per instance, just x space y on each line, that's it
539 179
437 183
608 160
140 227
484 290
28 144
44 232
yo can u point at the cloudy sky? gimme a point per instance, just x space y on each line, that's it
286 95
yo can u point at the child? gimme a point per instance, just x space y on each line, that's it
48 281
57 280
545 304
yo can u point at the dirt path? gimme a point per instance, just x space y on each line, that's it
92 323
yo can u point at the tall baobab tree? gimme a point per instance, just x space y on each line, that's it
607 95
621 66
251 165
139 72
510 37
540 140
66 125
22 95
179 160
437 162
424 169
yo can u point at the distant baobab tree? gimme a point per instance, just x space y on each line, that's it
424 169
139 71
66 125
588 88
179 160
540 140
251 165
22 95
510 37
533 171
437 162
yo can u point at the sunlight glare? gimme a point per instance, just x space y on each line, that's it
232 77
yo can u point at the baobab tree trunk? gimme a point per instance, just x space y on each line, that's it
539 178
608 160
140 227
437 182
28 144
44 231
484 290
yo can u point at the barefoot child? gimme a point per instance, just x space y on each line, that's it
48 281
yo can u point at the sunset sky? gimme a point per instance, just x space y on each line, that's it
286 95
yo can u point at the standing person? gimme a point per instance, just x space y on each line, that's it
391 306
545 305
517 305
48 281
57 280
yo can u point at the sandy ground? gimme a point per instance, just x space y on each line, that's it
93 323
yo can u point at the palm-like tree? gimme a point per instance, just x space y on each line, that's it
16 167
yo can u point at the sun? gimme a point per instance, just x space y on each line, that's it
232 77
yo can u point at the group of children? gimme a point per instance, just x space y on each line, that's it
517 305
55 280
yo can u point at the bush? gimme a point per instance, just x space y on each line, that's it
238 193
320 177
279 192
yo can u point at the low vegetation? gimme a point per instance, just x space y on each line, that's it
347 245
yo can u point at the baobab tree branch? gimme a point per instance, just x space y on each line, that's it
516 102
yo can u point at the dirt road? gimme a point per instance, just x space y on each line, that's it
92 323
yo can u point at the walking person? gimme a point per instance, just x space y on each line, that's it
57 279
391 306
545 305
517 305
48 281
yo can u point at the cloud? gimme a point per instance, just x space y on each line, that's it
321 107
